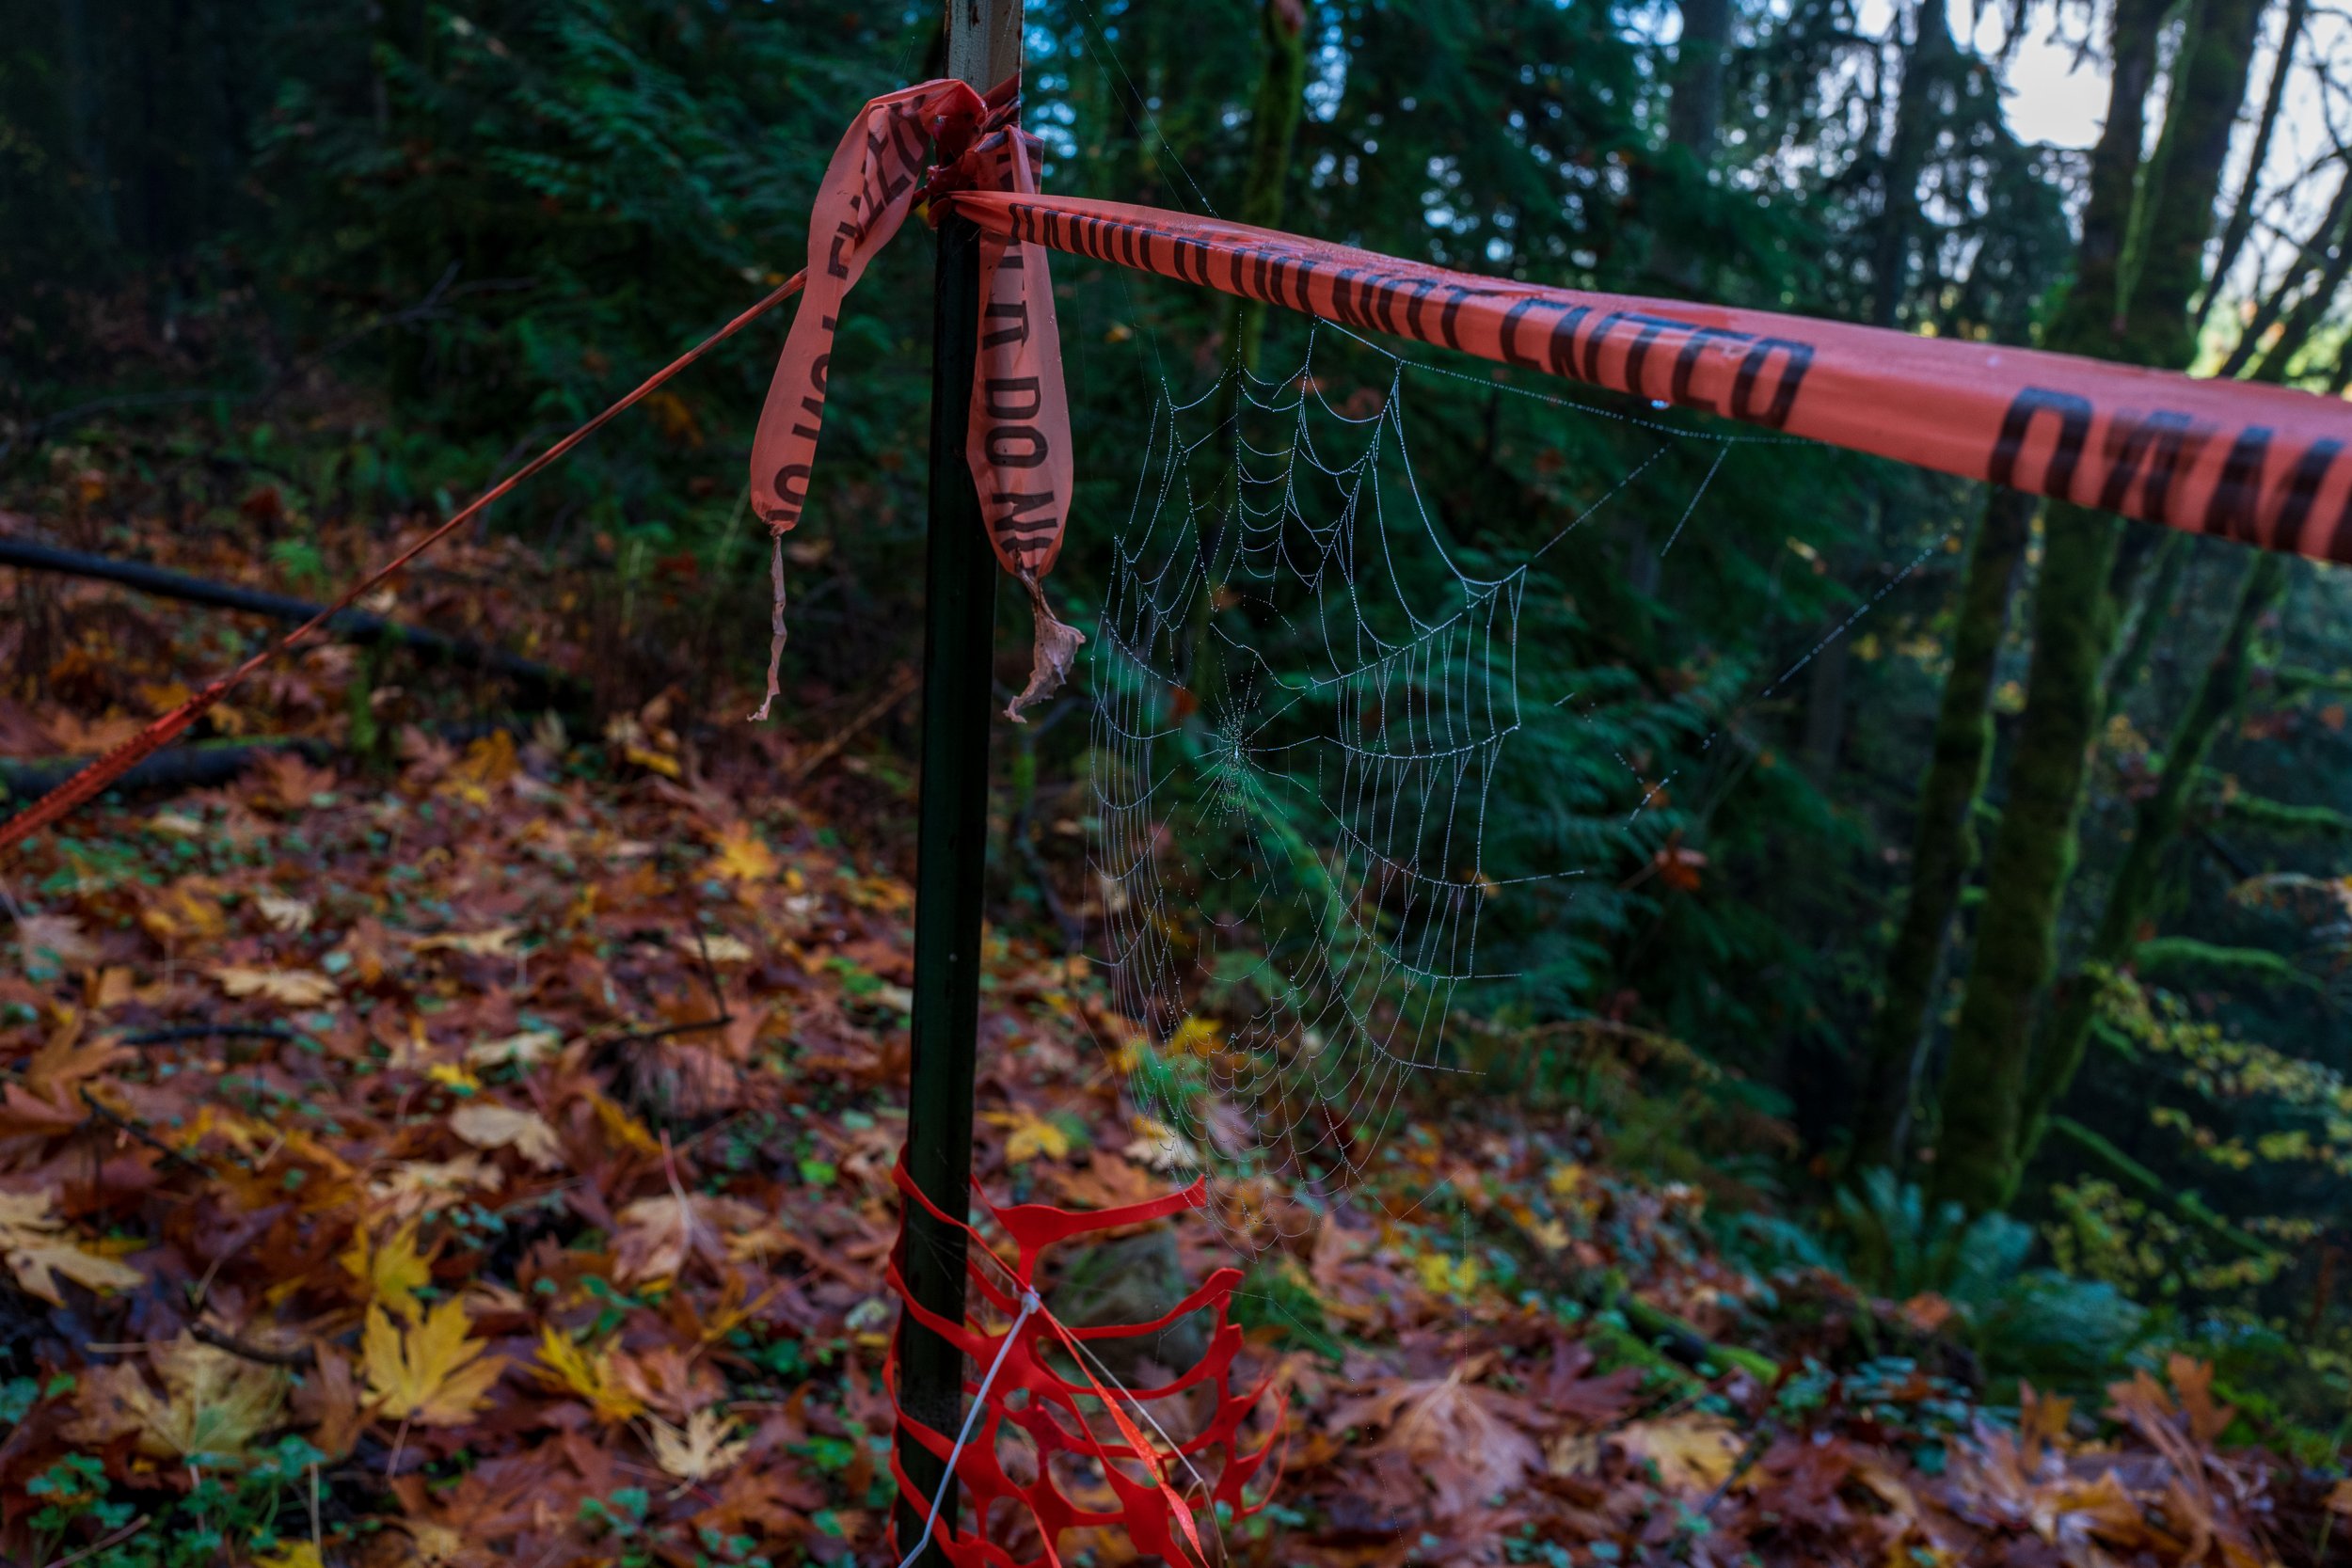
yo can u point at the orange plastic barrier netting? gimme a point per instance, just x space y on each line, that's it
2258 463
1155 1488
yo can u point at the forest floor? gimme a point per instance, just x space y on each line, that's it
477 1148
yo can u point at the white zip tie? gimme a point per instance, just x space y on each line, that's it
1029 1304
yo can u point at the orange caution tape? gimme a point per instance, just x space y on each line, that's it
2259 464
91 781
1018 441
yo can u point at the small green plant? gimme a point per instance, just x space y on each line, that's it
619 1523
2038 1324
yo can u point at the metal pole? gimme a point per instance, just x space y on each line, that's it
951 839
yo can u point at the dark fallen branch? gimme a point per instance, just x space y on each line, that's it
178 1032
533 679
133 1130
294 1360
205 766
640 1036
201 767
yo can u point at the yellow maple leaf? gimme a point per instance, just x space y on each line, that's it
39 1248
1442 1275
293 987
188 910
450 1076
1198 1037
593 1374
619 1125
299 1554
488 763
1563 1178
212 1406
1693 1452
742 856
393 1273
432 1372
1032 1136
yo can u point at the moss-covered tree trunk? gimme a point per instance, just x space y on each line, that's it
1943 842
2148 622
2155 826
2091 305
1274 112
1273 132
1986 1080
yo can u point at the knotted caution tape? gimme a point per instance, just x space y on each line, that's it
1018 439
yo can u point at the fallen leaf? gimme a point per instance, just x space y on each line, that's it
415 1184
289 916
39 1248
1032 1136
188 910
527 1048
65 1061
742 856
704 1448
493 944
591 1374
1456 1434
213 1404
1693 1452
490 1126
53 941
723 948
2192 1380
393 1273
1196 1037
620 1126
659 1234
1158 1146
430 1372
293 987
327 1402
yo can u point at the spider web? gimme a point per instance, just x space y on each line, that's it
1306 692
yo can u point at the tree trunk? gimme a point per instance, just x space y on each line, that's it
1917 114
1273 131
1694 114
1943 842
2156 607
1274 113
1985 1082
2155 827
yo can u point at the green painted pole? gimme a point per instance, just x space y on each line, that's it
951 836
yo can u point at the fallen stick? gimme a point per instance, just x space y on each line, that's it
901 686
92 781
352 626
205 766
